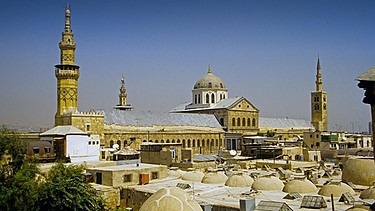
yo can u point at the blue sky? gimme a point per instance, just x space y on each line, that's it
265 51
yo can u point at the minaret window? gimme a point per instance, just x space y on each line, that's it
316 107
195 99
212 98
199 98
207 98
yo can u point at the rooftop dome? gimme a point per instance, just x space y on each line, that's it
359 171
369 193
239 180
300 186
172 199
268 183
214 177
335 188
192 175
210 81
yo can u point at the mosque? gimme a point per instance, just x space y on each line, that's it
212 121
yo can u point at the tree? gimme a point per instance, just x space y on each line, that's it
64 189
18 184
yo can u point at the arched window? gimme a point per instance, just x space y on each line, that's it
198 143
209 85
223 96
199 98
316 107
162 141
324 106
125 143
173 141
212 98
238 121
189 143
178 141
194 143
208 142
167 141
233 121
183 143
248 122
207 98
217 142
111 144
156 141
195 99
243 122
254 122
203 143
119 144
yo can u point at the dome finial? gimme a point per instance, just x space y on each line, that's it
209 68
67 18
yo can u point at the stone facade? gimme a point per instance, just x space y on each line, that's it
319 104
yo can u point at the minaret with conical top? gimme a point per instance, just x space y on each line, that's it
67 74
122 97
319 103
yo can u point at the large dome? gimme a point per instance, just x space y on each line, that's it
210 81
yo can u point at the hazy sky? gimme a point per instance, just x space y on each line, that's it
265 51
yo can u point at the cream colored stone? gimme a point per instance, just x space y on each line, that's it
300 186
239 180
268 183
337 189
359 171
171 199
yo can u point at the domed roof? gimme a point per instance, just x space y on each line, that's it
175 172
214 177
210 81
359 171
369 193
268 183
335 188
239 179
193 175
300 186
173 199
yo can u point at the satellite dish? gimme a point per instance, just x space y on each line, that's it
233 152
115 146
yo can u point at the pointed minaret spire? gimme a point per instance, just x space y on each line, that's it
67 18
122 105
122 95
209 68
318 81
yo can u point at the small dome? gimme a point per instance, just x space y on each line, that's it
359 171
210 81
335 188
173 199
239 180
175 172
369 193
268 183
300 186
193 175
214 177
